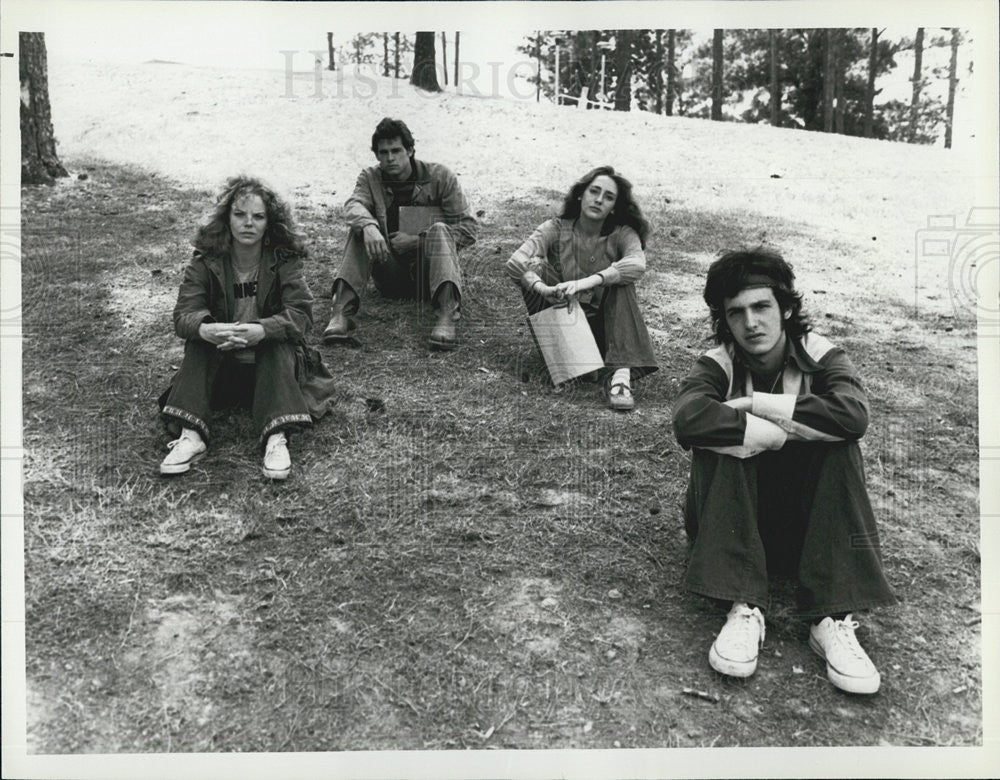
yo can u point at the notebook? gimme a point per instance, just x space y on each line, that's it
414 220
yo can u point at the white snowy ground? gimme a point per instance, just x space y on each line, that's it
199 125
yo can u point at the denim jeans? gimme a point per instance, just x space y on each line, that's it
802 511
209 379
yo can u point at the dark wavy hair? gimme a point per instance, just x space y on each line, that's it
735 271
215 236
625 212
388 129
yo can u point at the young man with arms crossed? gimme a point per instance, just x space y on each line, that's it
773 416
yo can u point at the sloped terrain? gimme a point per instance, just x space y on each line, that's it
485 562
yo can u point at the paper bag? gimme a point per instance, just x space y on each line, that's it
566 342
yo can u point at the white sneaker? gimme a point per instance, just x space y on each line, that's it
847 664
277 461
188 449
735 649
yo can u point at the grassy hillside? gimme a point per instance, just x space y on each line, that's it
486 563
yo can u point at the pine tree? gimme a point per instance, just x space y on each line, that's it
39 161
424 73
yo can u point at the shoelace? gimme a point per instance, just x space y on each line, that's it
749 618
274 444
844 631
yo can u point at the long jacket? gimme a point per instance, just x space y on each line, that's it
434 185
821 400
283 301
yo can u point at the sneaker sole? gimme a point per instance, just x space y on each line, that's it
180 468
442 346
731 668
333 338
274 474
865 685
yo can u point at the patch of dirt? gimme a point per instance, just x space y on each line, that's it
527 609
185 639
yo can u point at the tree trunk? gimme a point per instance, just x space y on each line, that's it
772 39
395 50
385 54
444 55
623 70
329 51
657 74
424 73
870 92
717 75
456 57
671 74
595 66
918 56
838 83
39 161
952 86
538 60
828 78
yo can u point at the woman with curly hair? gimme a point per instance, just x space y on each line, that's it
593 253
243 310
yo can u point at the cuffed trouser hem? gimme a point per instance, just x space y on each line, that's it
293 421
187 420
277 398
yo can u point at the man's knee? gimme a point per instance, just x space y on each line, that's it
439 238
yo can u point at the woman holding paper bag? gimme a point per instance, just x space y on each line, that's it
592 254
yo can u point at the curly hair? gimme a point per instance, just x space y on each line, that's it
215 236
388 129
625 212
735 271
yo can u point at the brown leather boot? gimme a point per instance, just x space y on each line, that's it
339 327
443 336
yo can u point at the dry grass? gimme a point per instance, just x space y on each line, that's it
487 563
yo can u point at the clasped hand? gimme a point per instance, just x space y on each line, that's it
564 292
227 336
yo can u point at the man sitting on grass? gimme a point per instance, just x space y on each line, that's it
403 265
773 416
